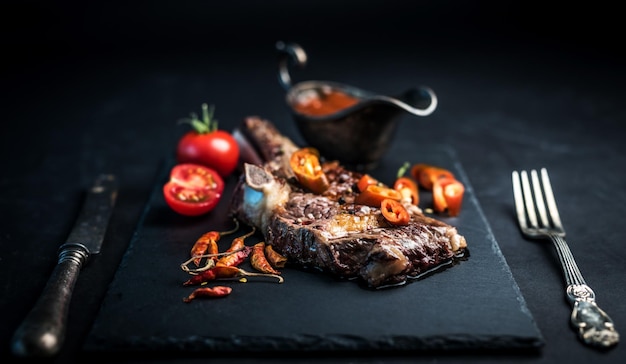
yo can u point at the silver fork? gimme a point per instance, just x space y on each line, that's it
594 326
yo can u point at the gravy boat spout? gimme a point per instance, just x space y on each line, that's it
343 122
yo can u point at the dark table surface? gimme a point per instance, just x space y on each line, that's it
97 88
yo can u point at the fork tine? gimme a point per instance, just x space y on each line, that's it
519 200
528 198
554 212
541 207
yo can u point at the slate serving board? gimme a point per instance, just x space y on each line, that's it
473 305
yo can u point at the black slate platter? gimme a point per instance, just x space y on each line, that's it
475 304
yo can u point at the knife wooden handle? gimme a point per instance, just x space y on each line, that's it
42 332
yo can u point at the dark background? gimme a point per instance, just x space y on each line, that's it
92 87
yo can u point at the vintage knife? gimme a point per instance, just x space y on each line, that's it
42 332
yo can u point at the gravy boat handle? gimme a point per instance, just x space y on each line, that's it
414 94
293 52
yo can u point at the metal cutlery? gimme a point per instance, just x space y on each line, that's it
594 326
42 332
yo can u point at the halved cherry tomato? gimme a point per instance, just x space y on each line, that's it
375 194
394 212
408 189
365 181
193 189
448 195
427 174
306 166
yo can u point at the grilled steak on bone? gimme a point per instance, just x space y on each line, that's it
329 231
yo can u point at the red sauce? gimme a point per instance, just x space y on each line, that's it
324 102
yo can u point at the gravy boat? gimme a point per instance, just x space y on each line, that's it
357 135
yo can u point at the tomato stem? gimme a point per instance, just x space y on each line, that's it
205 125
207 117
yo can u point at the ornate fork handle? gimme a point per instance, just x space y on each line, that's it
594 326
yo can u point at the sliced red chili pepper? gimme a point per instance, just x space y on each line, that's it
394 212
439 200
408 189
375 194
217 291
426 174
448 195
365 181
308 171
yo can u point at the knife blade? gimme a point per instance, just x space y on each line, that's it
42 332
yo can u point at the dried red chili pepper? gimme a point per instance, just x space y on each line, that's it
394 212
235 258
275 258
207 244
214 292
212 274
259 261
238 252
225 273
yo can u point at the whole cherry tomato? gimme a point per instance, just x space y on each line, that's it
207 145
193 189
